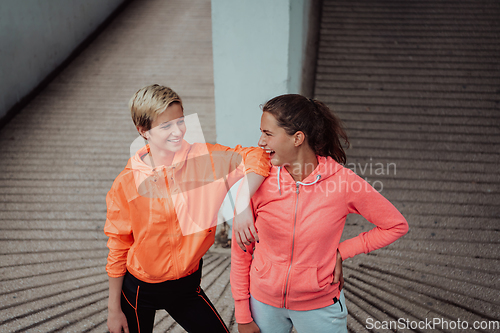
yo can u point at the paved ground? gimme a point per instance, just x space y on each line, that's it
417 83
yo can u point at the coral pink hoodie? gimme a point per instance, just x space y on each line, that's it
300 225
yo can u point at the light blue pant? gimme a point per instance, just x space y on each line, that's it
330 319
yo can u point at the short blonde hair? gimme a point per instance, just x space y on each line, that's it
149 102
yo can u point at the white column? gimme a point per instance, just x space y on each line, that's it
258 49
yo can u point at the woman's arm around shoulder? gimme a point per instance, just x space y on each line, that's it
256 166
254 159
243 222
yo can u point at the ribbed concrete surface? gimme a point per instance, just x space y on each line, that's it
60 155
418 86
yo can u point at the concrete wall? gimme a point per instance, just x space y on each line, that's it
36 36
259 51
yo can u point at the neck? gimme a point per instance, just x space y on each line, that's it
303 166
159 157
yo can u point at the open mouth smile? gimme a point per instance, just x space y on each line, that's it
269 151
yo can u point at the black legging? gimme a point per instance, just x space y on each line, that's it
183 299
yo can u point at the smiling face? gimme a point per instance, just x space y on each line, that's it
280 146
167 130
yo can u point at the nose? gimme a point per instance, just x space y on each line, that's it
262 140
176 131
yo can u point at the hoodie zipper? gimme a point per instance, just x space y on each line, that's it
169 205
293 244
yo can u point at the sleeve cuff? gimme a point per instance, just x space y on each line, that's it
351 247
242 311
115 275
115 272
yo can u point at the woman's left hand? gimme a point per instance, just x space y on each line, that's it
245 232
337 273
244 229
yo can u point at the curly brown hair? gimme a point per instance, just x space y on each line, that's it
324 131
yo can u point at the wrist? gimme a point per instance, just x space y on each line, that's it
114 306
339 256
114 311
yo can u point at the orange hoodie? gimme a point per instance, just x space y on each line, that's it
161 221
300 225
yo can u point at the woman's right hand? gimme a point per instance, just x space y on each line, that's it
117 322
244 229
338 276
248 328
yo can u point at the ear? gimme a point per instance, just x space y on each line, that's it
143 132
299 138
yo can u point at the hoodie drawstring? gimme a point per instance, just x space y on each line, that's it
279 188
318 177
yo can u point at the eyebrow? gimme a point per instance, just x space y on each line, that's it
266 131
169 121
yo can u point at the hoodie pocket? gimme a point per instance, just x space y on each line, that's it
261 268
304 283
265 276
